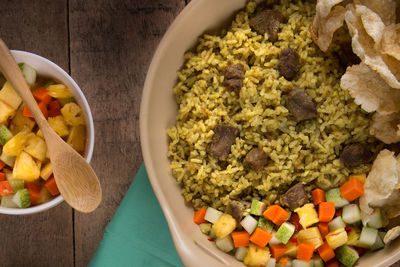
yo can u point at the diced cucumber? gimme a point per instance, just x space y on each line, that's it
16 184
212 215
22 198
333 195
249 224
336 223
317 261
9 161
378 243
285 232
271 263
257 207
300 263
347 255
205 228
212 234
367 237
28 72
5 134
351 214
241 253
7 202
274 240
265 224
376 219
225 244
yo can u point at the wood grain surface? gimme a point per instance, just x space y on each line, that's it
106 46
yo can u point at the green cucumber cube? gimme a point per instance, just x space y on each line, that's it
265 224
257 207
336 223
15 184
212 234
7 202
225 244
367 237
376 219
240 253
249 224
300 263
333 195
212 215
378 243
5 134
22 198
28 72
285 232
317 261
9 161
205 228
271 262
347 255
351 214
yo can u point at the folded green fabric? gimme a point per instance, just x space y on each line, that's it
138 235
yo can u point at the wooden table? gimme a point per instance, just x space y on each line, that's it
106 46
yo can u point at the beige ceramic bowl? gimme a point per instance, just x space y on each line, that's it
158 111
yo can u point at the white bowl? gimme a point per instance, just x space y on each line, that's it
45 67
157 113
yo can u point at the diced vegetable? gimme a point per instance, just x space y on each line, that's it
260 237
9 161
5 112
271 263
323 229
351 213
211 234
28 72
198 217
352 189
375 220
46 171
336 238
225 244
36 147
42 95
310 236
5 188
265 224
59 91
276 214
15 183
249 224
224 226
73 114
301 263
326 211
291 249
9 96
305 252
326 252
378 243
212 215
317 262
257 207
336 223
295 220
205 228
240 253
16 144
347 255
256 256
285 232
22 198
318 196
241 239
285 262
54 108
25 168
362 177
333 195
5 134
34 192
19 122
308 215
353 236
52 186
274 240
7 202
77 138
277 251
59 125
367 237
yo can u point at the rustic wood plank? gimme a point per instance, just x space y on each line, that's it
44 239
112 43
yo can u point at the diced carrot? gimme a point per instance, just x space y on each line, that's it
326 211
5 188
276 214
332 263
26 112
352 189
277 251
318 196
43 107
338 212
260 237
42 95
326 252
283 261
2 176
323 229
34 192
305 252
54 108
199 216
2 164
295 220
52 186
241 239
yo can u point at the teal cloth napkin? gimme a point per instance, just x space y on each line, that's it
138 234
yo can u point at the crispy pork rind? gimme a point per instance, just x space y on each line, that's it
385 127
369 90
326 22
386 9
392 234
390 42
381 181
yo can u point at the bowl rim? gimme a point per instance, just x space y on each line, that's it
78 94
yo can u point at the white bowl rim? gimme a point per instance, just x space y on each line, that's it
78 94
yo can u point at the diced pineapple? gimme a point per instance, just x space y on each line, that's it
73 114
36 147
59 126
16 144
256 256
46 172
353 236
39 133
5 112
77 138
291 249
336 238
59 91
19 122
25 168
307 214
224 226
9 96
311 236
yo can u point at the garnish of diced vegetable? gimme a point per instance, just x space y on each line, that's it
300 263
22 199
367 237
5 112
28 72
212 215
25 168
224 225
16 144
333 195
9 96
46 171
225 244
285 232
59 125
212 234
353 236
7 202
336 223
287 262
352 189
378 243
15 183
73 114
271 263
375 220
307 214
36 147
257 207
249 224
77 138
274 240
291 249
205 228
317 262
256 256
5 134
347 255
8 160
59 91
310 236
240 253
351 214
336 238
265 224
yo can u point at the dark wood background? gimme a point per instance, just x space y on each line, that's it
106 46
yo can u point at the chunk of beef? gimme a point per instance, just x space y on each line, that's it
236 209
267 21
354 155
233 77
346 55
301 105
223 138
295 197
289 64
256 159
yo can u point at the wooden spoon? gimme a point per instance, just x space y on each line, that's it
76 180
